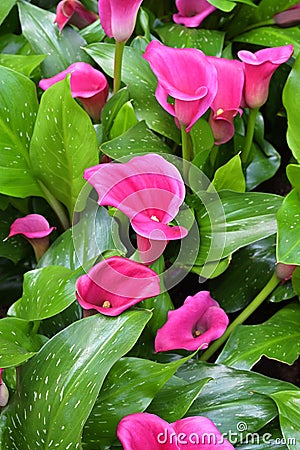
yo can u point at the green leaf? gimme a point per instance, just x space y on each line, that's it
5 7
137 140
255 265
267 8
44 37
93 32
85 241
238 219
288 239
288 406
209 41
17 344
233 396
22 63
230 176
59 386
293 174
18 109
263 166
46 292
124 120
272 37
175 398
202 137
291 102
141 81
277 338
111 109
129 388
63 145
228 5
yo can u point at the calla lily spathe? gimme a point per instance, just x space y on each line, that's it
226 104
149 190
259 68
191 13
73 12
36 229
118 17
115 284
144 431
187 76
88 85
194 325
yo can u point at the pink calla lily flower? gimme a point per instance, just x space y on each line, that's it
118 17
89 85
226 104
185 74
149 190
191 13
144 431
73 12
194 325
4 393
259 68
288 18
115 284
36 229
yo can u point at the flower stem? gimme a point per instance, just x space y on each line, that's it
118 65
249 135
264 293
186 144
56 206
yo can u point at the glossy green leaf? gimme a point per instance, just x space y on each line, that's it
5 7
230 176
291 102
129 388
85 241
175 398
232 397
209 41
46 292
137 140
255 265
212 269
272 37
124 120
22 63
141 82
288 240
277 338
111 109
18 109
53 325
202 137
228 5
293 174
17 343
289 416
263 166
14 44
267 8
63 145
93 32
283 292
238 219
43 35
66 376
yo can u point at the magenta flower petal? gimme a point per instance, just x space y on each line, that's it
118 17
144 431
195 324
148 189
227 101
191 13
87 84
115 284
185 74
4 393
33 226
74 12
199 433
259 68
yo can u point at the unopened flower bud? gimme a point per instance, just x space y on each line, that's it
288 18
285 271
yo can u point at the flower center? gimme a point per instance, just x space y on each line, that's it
220 111
106 304
197 333
154 218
